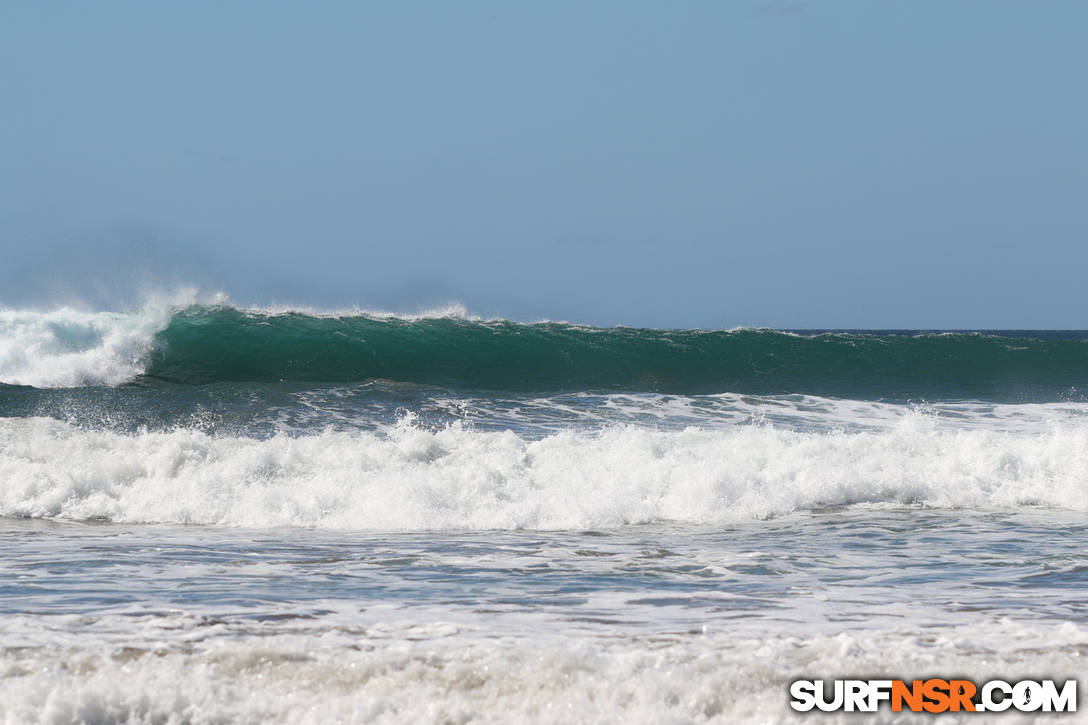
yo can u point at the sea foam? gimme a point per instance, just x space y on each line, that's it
195 671
412 479
69 347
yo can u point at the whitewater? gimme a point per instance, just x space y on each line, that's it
220 514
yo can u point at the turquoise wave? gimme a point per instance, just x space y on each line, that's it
223 344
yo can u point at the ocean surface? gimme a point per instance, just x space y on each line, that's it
214 515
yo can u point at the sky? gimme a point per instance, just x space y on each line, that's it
671 164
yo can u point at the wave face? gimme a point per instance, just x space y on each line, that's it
209 344
412 479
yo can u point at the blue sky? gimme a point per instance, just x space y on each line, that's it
791 164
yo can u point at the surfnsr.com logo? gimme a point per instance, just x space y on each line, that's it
933 695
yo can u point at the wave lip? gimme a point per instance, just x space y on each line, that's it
414 480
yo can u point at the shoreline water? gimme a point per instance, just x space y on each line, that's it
644 623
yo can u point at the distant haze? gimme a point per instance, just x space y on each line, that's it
711 164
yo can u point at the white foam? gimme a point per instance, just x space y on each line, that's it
412 479
68 347
196 671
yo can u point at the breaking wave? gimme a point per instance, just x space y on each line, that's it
200 344
410 479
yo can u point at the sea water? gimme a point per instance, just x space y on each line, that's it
213 514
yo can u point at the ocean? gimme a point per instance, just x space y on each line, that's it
211 514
